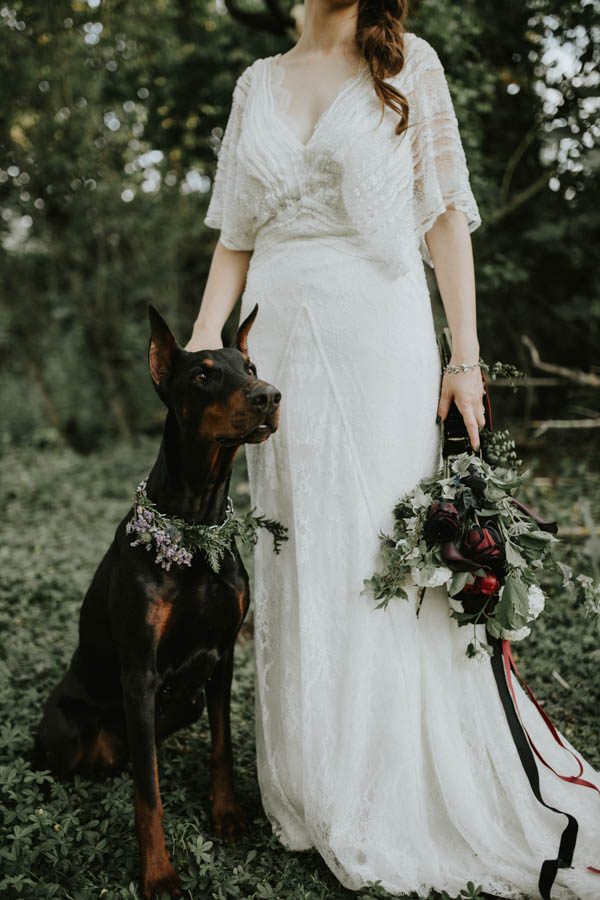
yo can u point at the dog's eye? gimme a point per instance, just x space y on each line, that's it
200 376
251 368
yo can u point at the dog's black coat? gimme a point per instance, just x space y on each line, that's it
154 645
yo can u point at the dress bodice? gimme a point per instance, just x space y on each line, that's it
354 181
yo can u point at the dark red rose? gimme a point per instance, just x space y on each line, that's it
484 546
443 523
483 592
487 585
455 560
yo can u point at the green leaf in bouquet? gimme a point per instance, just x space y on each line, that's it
494 627
461 464
512 610
467 499
566 572
462 618
536 539
505 480
513 557
427 572
494 494
420 499
458 581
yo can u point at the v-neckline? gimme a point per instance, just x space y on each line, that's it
273 61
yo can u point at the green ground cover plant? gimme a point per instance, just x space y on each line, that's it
76 839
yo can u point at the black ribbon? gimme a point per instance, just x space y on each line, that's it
568 838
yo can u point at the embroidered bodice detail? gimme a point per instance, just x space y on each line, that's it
354 181
282 97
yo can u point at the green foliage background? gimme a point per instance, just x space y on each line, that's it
110 114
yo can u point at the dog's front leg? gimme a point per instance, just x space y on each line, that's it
139 689
227 816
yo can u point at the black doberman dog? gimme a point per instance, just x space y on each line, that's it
153 644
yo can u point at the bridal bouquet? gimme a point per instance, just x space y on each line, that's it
465 529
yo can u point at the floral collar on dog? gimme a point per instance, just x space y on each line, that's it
175 541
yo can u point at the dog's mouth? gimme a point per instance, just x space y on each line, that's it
256 435
259 434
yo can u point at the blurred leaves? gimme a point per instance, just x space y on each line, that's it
110 119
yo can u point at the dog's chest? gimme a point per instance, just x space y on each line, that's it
193 625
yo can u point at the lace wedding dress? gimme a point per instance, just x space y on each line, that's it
378 742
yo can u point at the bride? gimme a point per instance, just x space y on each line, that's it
341 174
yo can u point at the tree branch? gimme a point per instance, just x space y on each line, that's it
521 197
588 379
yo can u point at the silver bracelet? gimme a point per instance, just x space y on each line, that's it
461 367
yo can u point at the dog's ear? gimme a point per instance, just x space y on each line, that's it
241 338
161 349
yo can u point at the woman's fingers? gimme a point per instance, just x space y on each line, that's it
472 428
466 389
444 403
480 414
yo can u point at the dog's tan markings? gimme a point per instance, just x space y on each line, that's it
159 615
213 459
208 362
158 875
104 752
219 418
242 603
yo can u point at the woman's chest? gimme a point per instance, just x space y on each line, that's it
352 149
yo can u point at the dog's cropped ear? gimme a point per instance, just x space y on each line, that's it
241 338
161 349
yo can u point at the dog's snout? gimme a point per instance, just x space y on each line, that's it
264 396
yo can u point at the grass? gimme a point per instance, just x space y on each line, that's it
76 840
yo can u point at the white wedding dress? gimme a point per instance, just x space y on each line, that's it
378 742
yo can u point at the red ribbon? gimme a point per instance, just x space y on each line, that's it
509 667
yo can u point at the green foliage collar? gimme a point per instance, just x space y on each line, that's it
175 541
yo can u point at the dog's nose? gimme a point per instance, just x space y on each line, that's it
265 395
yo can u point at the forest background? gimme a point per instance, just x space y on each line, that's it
111 114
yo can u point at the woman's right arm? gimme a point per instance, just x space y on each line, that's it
225 283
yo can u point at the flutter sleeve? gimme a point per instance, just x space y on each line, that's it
441 176
227 210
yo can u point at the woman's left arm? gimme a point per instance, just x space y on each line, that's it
449 243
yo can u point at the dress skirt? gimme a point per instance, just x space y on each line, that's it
379 743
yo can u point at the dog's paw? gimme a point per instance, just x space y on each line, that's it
229 822
166 884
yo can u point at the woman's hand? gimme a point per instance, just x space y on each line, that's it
466 389
203 339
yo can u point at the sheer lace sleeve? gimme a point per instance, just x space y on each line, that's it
226 210
441 176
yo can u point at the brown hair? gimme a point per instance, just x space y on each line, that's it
380 38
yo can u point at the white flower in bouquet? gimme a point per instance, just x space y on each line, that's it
449 491
478 652
480 657
517 635
420 499
536 600
431 579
